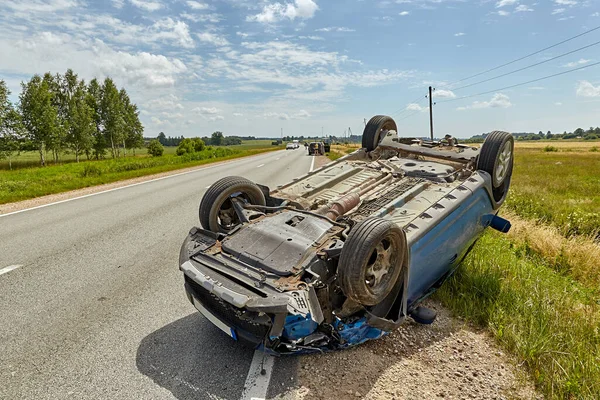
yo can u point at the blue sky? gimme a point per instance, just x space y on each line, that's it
256 67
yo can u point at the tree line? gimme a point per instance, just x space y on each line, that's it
216 139
579 133
58 113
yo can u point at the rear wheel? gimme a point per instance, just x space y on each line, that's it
217 213
371 260
496 158
372 133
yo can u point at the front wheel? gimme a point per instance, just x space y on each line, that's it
217 213
371 260
372 133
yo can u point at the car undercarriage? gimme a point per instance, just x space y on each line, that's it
347 252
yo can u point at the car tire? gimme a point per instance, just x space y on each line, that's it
373 246
372 133
214 202
496 158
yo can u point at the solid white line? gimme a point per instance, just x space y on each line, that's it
261 165
9 268
312 164
257 384
118 188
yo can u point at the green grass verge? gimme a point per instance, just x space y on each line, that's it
28 183
548 320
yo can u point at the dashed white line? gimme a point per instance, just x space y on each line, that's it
9 268
257 383
261 165
312 164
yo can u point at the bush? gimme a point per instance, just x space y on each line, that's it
90 170
198 144
594 149
591 137
155 149
549 149
185 146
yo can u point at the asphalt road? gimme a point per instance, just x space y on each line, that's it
96 307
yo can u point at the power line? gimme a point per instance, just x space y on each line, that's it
524 57
403 109
527 67
406 109
521 84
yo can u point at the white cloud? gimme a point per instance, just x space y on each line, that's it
213 18
159 122
566 18
171 102
558 103
237 114
503 3
37 6
213 39
118 3
498 100
596 14
416 107
403 13
147 5
303 9
587 89
196 5
272 115
302 114
558 11
206 110
581 61
459 34
523 8
335 29
444 94
177 31
566 2
503 13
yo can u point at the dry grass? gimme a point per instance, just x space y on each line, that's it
578 256
562 145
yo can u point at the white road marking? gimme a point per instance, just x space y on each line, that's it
9 268
278 158
119 188
257 384
312 164
261 165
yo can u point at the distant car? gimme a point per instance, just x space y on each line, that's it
290 146
345 253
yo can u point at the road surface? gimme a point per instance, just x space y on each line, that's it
92 303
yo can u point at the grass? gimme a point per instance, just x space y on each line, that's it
548 320
26 183
560 187
339 150
537 289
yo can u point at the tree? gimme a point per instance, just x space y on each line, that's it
11 128
549 135
40 117
94 100
216 138
155 149
162 138
111 115
133 129
56 140
80 136
578 132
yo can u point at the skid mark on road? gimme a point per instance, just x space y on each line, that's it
257 383
9 268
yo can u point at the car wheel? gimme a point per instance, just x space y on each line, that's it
216 208
371 260
372 133
496 158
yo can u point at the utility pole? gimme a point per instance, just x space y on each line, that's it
282 135
431 112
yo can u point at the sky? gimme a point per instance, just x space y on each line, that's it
310 66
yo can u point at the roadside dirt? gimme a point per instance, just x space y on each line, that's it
320 161
445 360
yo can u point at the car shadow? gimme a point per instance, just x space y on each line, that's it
193 359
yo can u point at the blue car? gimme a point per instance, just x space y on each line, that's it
345 253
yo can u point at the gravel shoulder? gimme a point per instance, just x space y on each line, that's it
445 360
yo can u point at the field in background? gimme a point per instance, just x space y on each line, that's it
33 181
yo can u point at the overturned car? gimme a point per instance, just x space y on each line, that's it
345 253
